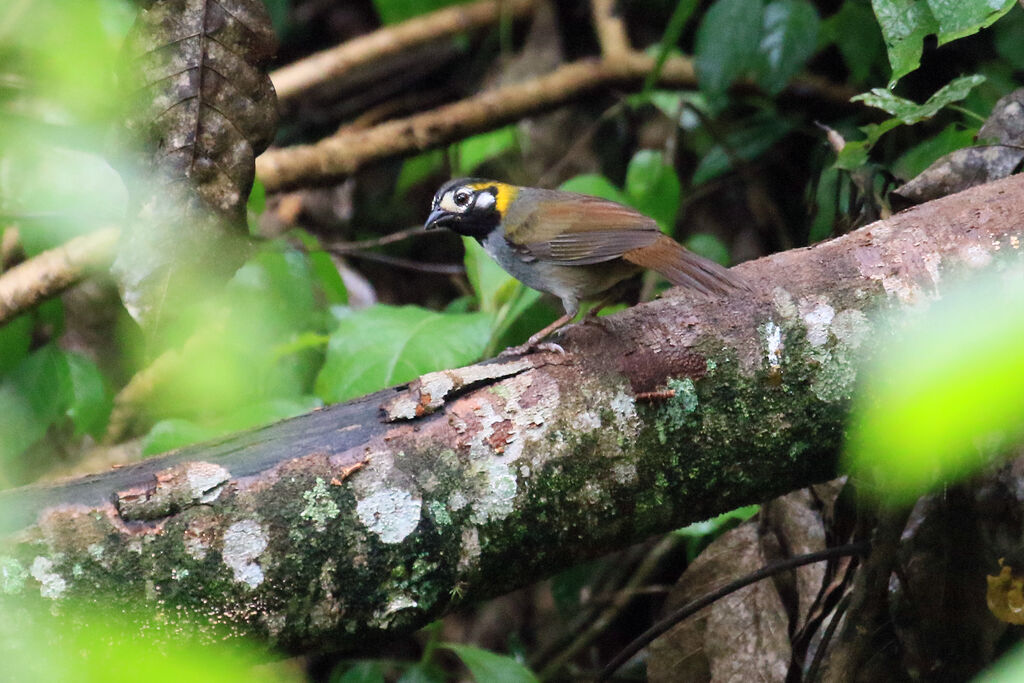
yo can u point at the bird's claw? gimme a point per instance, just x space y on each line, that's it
524 349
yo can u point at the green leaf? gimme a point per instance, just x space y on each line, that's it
943 397
417 169
910 112
788 39
856 34
905 23
44 378
361 672
328 278
596 185
669 39
699 534
921 156
710 247
748 143
91 402
959 18
385 345
20 427
1009 668
491 284
393 11
653 188
469 154
1007 38
15 338
167 435
727 46
487 666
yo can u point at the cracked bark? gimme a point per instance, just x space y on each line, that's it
336 528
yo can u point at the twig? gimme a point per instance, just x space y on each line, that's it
409 264
695 606
618 603
610 29
342 248
322 67
53 271
346 152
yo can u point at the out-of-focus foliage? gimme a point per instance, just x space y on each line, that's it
944 397
104 647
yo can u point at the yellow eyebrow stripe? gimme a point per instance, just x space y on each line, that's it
505 194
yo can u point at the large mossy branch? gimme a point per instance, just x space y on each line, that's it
338 527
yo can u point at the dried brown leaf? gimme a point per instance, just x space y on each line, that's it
979 164
203 108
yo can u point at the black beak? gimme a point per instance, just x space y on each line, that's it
438 218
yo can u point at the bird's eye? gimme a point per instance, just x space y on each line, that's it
462 197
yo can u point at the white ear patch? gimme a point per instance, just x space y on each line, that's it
484 200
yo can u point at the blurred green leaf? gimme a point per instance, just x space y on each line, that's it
167 435
328 278
943 398
20 427
910 112
727 43
856 34
710 247
417 169
469 154
596 185
115 648
670 38
423 673
1007 38
921 155
385 345
747 143
90 400
826 209
361 672
393 11
44 378
488 667
15 338
491 284
788 39
1008 669
653 189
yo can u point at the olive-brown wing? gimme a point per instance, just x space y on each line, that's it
571 229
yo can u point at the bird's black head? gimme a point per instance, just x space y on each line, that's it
470 206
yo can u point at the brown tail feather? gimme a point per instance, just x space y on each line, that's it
683 268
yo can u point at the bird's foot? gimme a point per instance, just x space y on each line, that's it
526 348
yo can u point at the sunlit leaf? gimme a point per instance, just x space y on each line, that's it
943 398
385 345
487 666
596 185
469 154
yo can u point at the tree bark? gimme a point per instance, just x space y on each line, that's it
371 518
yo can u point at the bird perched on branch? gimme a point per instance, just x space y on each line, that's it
571 245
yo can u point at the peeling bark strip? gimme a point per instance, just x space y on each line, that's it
333 528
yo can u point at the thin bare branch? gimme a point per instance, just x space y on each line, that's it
53 271
322 67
